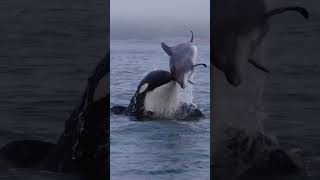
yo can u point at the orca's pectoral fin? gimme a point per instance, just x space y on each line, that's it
259 66
26 153
119 110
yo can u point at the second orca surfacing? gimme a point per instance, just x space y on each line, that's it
158 93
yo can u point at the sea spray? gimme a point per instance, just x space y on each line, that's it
241 147
174 102
234 108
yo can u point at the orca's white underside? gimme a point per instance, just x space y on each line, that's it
164 100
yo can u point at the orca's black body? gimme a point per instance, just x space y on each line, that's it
153 80
135 108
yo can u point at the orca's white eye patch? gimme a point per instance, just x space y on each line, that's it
101 90
143 88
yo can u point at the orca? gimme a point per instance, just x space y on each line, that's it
239 28
83 147
157 96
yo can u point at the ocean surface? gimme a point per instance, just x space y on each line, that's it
157 149
292 91
48 49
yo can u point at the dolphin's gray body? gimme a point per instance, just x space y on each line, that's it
183 59
239 28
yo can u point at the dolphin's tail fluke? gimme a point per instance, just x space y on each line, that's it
191 36
300 10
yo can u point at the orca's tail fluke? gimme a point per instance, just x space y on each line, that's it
301 10
119 110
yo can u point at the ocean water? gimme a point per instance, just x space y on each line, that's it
158 149
49 48
290 99
292 91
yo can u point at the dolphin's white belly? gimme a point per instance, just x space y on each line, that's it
163 101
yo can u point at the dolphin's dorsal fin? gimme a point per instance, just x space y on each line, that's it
166 48
191 36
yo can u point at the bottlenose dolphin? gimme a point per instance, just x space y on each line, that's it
183 58
239 28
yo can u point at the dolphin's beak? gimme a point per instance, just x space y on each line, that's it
182 85
180 81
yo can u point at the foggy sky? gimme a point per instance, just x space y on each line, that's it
159 17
